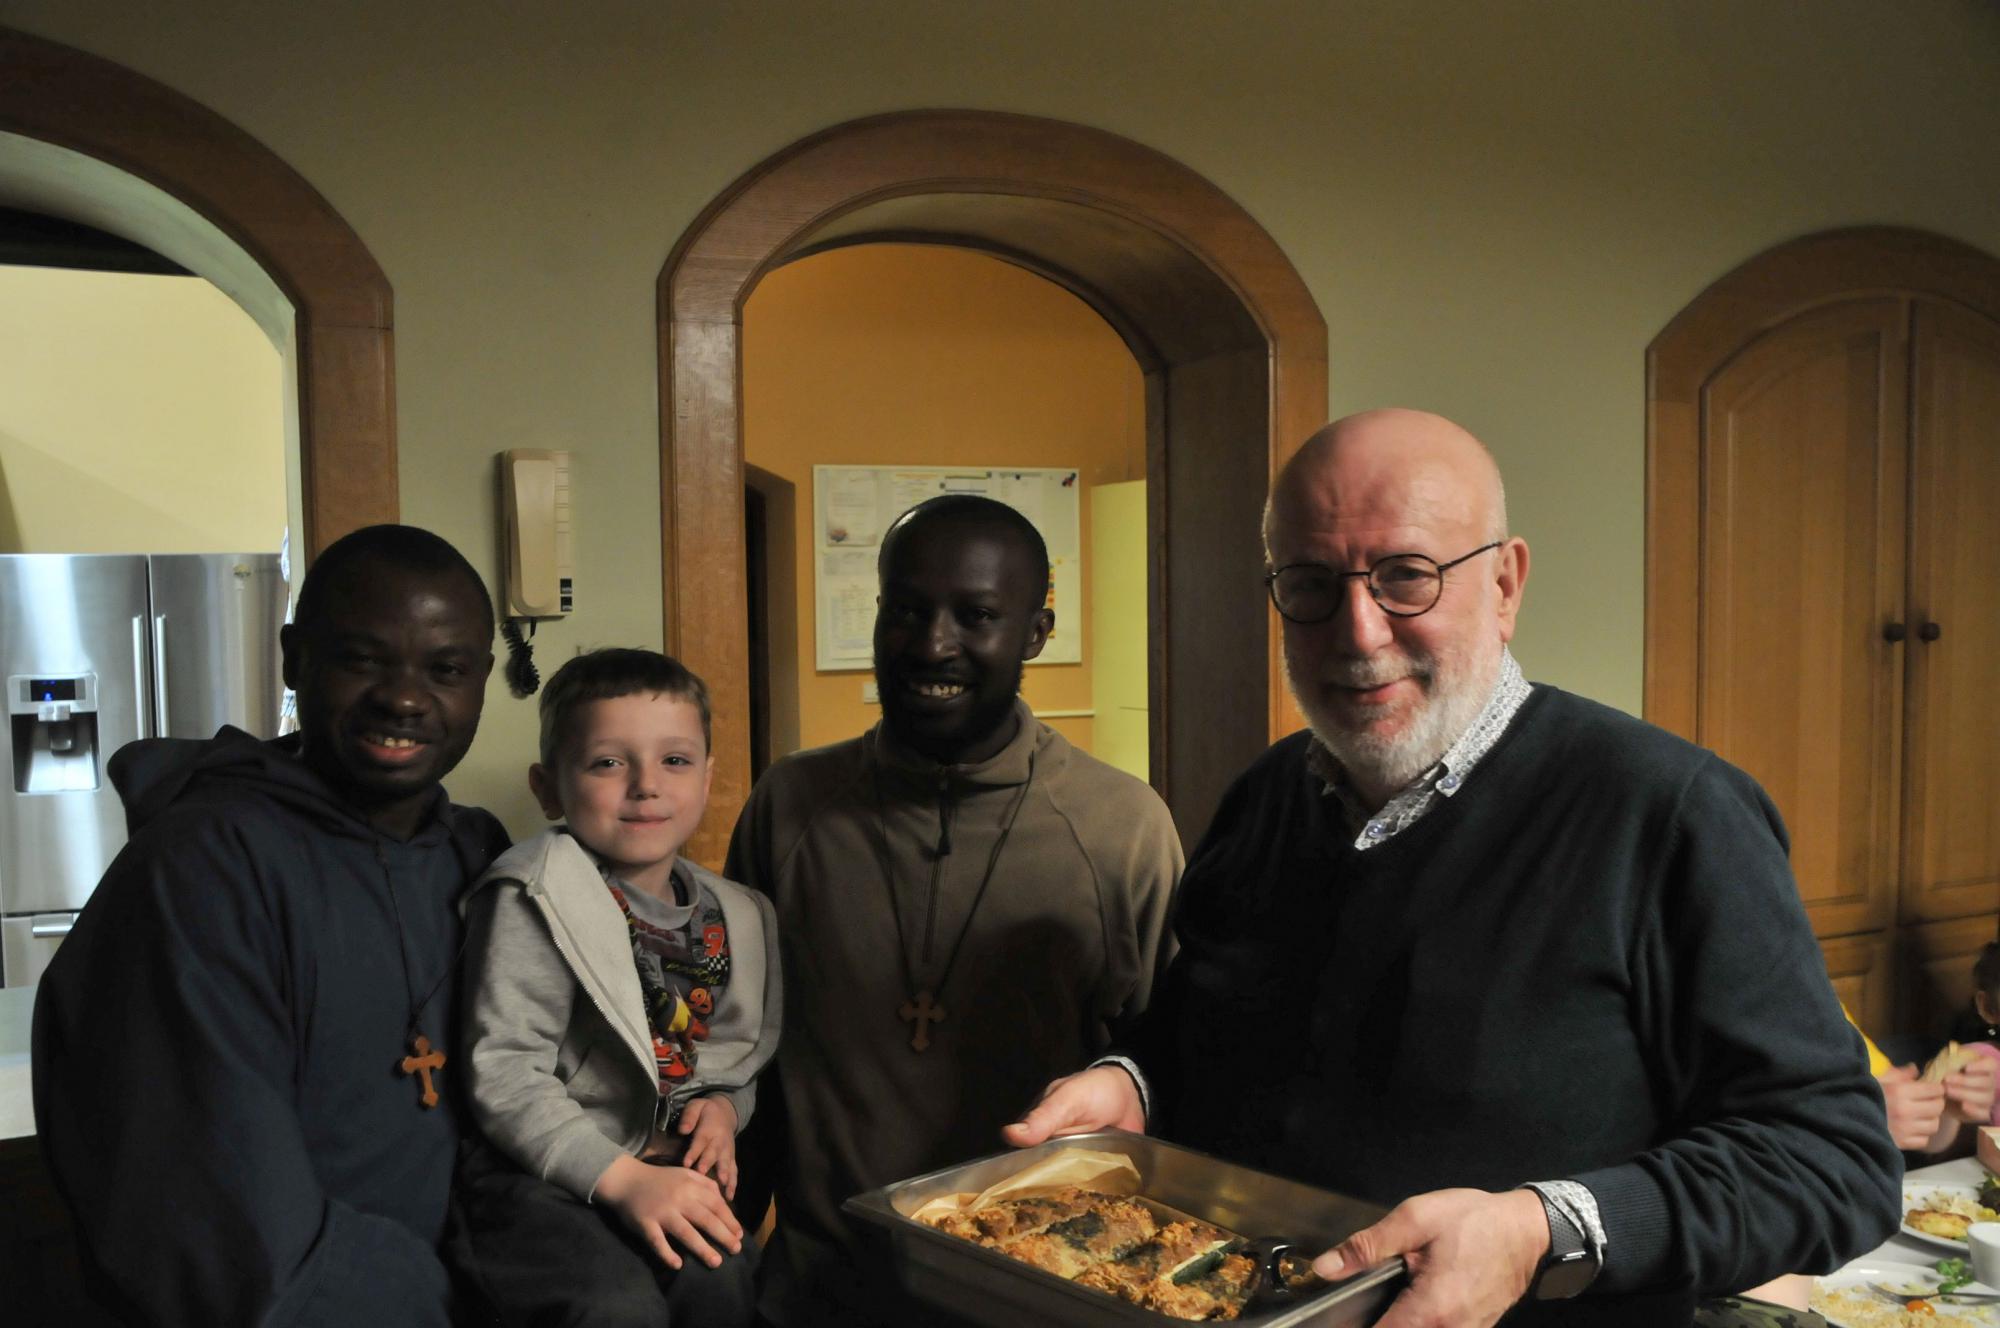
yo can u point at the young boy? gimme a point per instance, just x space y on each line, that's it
620 1004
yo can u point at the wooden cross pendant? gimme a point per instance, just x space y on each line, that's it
422 1064
923 1012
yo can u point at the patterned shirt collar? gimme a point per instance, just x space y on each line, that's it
1444 779
682 880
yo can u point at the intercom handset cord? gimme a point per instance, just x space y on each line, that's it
522 677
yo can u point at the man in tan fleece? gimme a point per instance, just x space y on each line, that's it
967 905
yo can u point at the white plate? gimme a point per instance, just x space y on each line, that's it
1918 1196
1901 1275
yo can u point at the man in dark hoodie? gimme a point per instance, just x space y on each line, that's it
243 1052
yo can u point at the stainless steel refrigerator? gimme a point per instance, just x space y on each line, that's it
97 650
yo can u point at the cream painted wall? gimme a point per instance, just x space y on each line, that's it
919 355
138 414
1496 206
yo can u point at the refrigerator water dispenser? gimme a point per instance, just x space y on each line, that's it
54 738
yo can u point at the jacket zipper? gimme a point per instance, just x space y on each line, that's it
569 955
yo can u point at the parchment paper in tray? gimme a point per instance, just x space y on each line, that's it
1113 1173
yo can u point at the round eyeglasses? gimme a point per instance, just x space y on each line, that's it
1404 584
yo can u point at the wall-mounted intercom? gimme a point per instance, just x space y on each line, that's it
537 552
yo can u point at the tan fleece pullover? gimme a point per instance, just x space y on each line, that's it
1064 943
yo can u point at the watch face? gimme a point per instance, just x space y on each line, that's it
1565 1275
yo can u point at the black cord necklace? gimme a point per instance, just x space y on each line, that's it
922 1008
422 1058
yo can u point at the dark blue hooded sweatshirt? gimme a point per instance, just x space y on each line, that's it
216 1046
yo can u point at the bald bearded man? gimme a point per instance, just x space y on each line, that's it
1527 968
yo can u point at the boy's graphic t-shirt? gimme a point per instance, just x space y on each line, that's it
681 950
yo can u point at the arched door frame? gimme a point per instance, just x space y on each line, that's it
340 298
1772 288
1167 258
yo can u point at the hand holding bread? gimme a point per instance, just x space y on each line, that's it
1948 1062
1915 1106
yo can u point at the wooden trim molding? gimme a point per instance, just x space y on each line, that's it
1185 275
1768 290
340 296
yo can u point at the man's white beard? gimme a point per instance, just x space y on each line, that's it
1455 686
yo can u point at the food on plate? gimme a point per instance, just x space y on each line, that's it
1881 1298
1179 1267
1859 1307
1945 1213
1933 1223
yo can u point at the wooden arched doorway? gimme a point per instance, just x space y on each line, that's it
340 298
1823 505
1230 341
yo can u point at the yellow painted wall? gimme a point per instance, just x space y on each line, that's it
138 414
1496 206
919 355
1119 682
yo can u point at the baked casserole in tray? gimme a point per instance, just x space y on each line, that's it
1063 1253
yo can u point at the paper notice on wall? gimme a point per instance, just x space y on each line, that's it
1022 491
854 505
847 603
908 488
853 515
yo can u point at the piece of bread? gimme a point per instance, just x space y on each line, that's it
1948 1062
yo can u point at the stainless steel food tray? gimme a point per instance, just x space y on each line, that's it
988 1287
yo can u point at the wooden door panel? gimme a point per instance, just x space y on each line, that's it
1863 977
1952 825
1801 562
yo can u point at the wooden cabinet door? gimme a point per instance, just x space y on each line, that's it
1952 816
1801 563
1823 461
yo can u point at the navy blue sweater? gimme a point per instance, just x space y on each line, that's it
216 1047
1591 963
